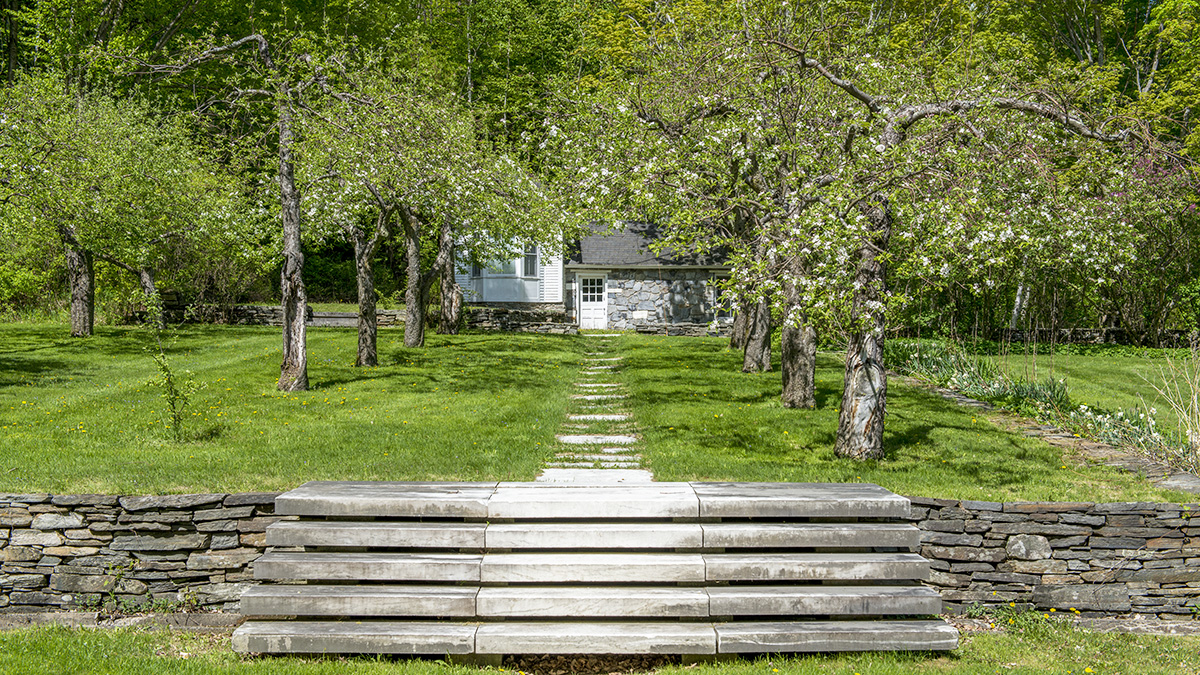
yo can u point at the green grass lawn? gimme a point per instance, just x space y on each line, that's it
78 415
1051 650
1121 380
703 419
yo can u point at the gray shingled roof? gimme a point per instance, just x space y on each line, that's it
630 247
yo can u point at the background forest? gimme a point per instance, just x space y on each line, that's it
147 142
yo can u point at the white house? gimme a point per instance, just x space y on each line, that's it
607 280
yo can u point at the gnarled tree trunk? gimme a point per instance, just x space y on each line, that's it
741 321
758 339
414 291
798 345
368 322
452 296
293 372
864 392
81 276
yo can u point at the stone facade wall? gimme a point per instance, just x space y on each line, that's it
656 298
64 552
1121 558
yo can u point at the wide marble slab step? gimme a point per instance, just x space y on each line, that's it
513 637
517 568
814 566
799 500
594 535
822 600
335 533
368 566
815 535
632 501
348 498
347 637
834 636
591 602
347 601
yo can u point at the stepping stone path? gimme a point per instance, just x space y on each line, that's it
610 455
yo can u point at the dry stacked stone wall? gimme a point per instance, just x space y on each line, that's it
66 552
1118 558
79 551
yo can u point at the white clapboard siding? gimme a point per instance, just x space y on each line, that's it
551 288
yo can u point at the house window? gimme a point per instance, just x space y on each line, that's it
592 289
531 261
476 270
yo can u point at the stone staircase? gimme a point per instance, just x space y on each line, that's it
543 568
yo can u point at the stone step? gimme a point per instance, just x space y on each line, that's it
591 567
368 566
587 602
599 397
834 636
605 358
481 501
622 535
596 439
407 638
597 385
602 464
822 600
344 600
598 418
376 534
594 535
557 637
560 637
814 566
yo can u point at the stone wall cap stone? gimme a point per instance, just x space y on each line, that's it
148 502
251 498
84 500
32 498
1046 507
982 506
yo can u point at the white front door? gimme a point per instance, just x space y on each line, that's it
593 303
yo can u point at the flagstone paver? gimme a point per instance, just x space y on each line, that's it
611 457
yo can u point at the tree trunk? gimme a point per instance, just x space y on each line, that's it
758 339
864 392
81 275
737 340
414 295
368 323
293 372
451 293
799 351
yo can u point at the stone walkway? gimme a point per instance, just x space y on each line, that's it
1156 472
598 443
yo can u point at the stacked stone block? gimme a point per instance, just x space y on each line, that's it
1096 559
75 551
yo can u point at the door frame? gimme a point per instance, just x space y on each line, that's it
603 294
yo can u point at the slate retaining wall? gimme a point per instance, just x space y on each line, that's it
1117 558
67 552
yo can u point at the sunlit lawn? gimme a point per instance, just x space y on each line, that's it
703 419
1053 651
78 415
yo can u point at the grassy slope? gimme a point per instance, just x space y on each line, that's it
1056 651
1112 381
78 415
703 419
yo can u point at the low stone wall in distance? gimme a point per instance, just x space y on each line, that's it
73 552
1120 558
716 329
69 552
